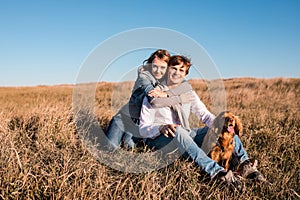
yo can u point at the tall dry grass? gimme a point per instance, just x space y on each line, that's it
42 156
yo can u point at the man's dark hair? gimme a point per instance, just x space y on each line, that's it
178 60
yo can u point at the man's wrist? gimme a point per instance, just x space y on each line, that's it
160 128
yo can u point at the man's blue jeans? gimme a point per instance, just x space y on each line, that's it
189 142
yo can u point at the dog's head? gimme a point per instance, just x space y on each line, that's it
227 122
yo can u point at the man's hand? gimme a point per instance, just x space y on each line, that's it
156 93
168 129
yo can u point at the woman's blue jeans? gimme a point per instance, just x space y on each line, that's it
121 128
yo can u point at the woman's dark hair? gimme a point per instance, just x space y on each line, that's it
161 54
178 60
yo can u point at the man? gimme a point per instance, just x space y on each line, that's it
161 125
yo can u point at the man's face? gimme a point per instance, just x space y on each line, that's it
176 74
159 68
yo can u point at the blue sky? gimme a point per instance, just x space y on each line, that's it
46 42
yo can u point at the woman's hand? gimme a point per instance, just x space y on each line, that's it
157 93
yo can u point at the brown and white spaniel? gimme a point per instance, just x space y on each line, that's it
219 142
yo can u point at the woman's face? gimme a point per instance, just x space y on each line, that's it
159 68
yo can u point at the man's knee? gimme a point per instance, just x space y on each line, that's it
182 132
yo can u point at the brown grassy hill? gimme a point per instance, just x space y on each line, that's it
42 156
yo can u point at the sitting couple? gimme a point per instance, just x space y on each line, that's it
158 111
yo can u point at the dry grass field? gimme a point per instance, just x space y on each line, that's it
42 157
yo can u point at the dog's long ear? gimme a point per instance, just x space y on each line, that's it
238 129
218 123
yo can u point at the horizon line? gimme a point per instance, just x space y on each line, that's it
191 79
